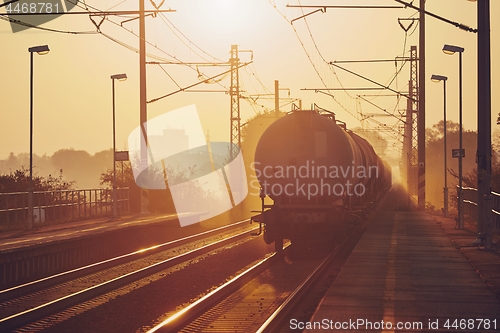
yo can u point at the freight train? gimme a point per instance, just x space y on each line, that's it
319 175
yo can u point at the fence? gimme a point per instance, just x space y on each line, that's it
50 207
470 205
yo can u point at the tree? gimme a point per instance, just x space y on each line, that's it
75 162
12 163
435 133
435 161
18 181
160 201
124 178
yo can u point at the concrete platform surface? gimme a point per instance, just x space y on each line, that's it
413 272
11 240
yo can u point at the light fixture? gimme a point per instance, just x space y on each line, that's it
451 49
119 77
41 49
438 78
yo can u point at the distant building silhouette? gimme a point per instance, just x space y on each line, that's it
172 140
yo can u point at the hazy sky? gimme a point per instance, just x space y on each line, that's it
72 94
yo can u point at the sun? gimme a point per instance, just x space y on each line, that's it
227 20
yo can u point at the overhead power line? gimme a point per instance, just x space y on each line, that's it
374 82
456 24
8 3
372 60
345 7
99 13
194 85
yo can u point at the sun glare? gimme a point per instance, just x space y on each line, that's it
227 19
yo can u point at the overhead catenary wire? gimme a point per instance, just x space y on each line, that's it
394 77
322 61
29 25
188 43
335 97
177 33
97 12
190 86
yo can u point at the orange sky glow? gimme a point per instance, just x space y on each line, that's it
72 86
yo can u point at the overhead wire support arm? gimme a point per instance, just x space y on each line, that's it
187 63
374 82
384 110
345 7
456 24
323 9
194 85
206 91
371 60
337 89
378 95
104 13
8 3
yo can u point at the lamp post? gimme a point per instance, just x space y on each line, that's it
451 49
119 77
438 78
484 197
41 50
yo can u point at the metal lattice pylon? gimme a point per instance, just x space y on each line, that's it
413 93
410 141
234 93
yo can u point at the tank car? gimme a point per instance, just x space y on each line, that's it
318 175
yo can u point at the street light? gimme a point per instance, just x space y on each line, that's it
41 50
438 78
119 77
451 49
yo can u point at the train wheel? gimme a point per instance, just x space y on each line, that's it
278 245
268 237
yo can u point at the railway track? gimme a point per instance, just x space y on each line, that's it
261 299
30 301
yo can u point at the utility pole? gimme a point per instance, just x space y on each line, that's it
276 99
421 110
410 140
234 93
143 118
484 198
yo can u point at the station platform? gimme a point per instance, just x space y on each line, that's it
413 272
13 240
43 235
26 255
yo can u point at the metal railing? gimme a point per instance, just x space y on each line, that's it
51 207
470 205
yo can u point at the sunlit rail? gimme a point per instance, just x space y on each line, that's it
26 308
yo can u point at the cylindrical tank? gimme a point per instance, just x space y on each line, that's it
370 161
307 155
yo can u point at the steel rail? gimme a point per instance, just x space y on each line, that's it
276 321
51 306
182 318
100 265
